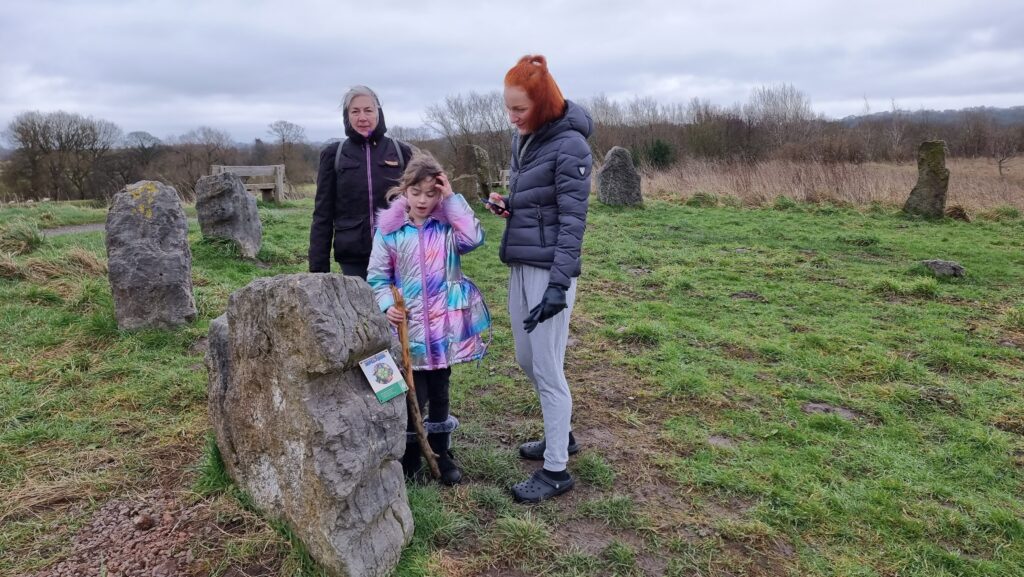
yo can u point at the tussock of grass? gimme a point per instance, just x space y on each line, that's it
519 540
642 333
858 239
620 560
617 511
591 468
9 267
81 261
921 287
493 499
490 465
19 237
702 200
1014 317
576 564
212 477
41 270
785 203
1001 214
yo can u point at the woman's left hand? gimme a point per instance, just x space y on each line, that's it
444 186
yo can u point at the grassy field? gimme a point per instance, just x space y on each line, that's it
773 391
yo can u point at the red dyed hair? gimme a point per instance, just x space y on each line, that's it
531 74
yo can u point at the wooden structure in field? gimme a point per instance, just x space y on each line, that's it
269 191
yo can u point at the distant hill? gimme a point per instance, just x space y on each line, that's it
1002 116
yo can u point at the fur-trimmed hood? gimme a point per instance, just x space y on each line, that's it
396 215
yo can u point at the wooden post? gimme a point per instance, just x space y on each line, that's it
410 397
279 184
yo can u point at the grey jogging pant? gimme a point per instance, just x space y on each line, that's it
541 354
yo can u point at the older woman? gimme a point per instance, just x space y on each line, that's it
546 210
354 176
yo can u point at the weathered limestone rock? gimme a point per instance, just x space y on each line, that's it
618 182
149 260
226 210
473 169
299 427
928 198
942 268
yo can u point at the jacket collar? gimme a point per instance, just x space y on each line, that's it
575 118
396 215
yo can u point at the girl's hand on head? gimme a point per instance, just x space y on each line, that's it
444 186
395 315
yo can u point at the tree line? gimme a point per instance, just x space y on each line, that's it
67 156
777 122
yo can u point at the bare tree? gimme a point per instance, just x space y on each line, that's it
287 135
61 154
782 111
473 120
1004 145
196 151
896 133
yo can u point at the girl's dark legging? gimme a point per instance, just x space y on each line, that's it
432 392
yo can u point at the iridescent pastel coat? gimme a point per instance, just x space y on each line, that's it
448 319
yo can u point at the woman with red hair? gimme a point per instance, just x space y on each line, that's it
546 212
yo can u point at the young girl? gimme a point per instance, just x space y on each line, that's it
417 248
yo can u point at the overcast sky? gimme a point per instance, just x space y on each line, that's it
169 66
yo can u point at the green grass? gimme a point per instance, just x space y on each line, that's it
51 214
693 320
592 468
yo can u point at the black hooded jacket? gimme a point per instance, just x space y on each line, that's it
346 201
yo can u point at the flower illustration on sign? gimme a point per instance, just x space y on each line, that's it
383 373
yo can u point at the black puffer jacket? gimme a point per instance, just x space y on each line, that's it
345 200
549 189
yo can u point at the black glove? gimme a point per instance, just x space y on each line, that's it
550 305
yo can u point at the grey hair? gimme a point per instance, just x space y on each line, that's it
358 90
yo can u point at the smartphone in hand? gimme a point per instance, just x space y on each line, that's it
501 210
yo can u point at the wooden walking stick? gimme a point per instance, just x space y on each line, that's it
410 397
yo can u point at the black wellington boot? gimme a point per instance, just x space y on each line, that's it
450 472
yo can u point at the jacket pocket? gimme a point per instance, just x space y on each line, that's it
351 238
468 313
540 225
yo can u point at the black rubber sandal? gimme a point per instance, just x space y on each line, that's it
540 487
534 450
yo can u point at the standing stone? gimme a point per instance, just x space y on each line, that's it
298 425
618 182
928 198
226 210
473 170
149 260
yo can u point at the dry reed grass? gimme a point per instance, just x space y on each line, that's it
974 183
9 268
85 262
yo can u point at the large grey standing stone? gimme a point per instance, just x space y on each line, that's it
618 182
298 425
928 198
149 260
226 210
